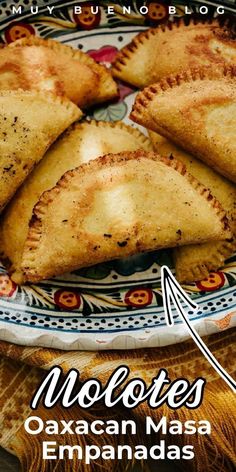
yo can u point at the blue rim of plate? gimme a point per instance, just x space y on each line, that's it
117 304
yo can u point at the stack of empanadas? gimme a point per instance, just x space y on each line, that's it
40 83
116 206
193 106
196 110
100 192
79 144
196 261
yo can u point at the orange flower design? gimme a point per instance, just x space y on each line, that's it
224 323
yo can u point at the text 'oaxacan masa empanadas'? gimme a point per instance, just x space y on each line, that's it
29 123
174 47
39 64
194 262
116 206
79 144
197 110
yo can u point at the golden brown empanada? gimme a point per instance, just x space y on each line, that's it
40 64
196 110
116 206
79 144
174 47
194 262
29 123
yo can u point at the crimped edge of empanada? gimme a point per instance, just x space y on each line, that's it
139 136
63 100
199 271
143 99
123 56
105 75
116 124
29 262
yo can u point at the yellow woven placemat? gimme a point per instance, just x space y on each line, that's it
23 367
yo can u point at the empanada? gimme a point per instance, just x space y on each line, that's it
79 144
40 64
174 47
116 206
29 123
194 262
196 110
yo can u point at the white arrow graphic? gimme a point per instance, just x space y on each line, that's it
172 294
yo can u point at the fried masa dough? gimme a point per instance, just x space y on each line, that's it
197 110
194 262
174 47
40 64
29 123
116 206
79 144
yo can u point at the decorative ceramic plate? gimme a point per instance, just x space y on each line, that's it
116 304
